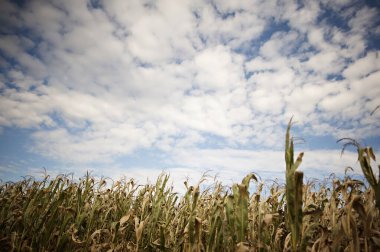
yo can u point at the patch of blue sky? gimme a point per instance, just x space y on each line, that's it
325 142
328 141
333 18
94 4
251 48
371 3
335 77
374 142
373 44
13 141
17 156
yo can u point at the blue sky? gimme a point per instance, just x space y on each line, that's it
137 87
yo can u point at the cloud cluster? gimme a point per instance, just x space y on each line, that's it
97 80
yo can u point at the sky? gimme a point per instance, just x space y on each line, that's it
133 88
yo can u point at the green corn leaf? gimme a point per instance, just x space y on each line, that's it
242 213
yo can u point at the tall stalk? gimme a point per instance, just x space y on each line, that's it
293 191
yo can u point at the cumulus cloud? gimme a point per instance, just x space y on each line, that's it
100 80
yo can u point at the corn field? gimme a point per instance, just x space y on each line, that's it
63 214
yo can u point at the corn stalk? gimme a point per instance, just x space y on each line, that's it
364 156
293 191
236 206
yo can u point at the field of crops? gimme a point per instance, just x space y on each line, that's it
62 214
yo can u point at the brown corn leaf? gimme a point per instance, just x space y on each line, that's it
139 226
124 219
242 247
268 218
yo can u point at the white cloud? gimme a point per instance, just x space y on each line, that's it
280 44
363 66
218 69
90 146
304 100
234 25
301 18
14 47
336 103
363 20
267 101
326 63
25 110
